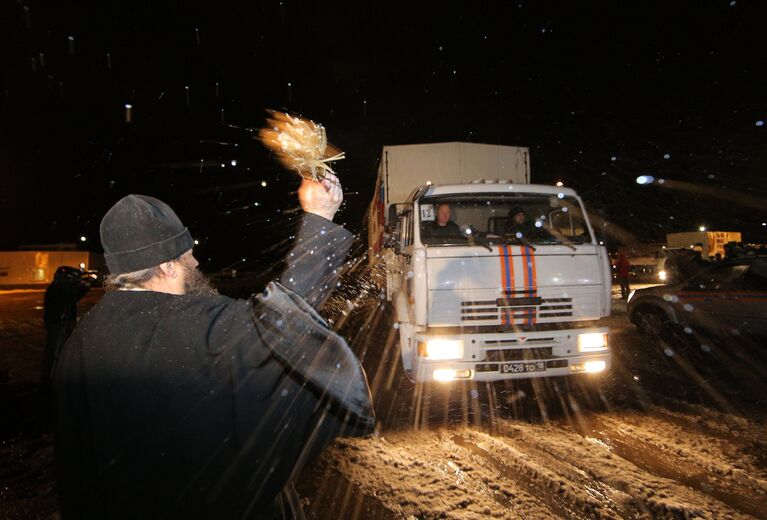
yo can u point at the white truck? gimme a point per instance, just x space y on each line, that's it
514 286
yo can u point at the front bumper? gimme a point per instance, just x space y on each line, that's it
502 356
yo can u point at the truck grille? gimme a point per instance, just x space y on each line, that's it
514 342
519 354
526 307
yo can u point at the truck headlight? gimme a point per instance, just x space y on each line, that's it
441 349
592 342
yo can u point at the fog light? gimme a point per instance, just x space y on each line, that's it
593 342
594 366
450 374
441 349
589 366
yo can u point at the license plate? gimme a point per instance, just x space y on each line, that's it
521 368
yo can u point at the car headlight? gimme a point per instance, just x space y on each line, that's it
662 275
631 295
592 342
441 349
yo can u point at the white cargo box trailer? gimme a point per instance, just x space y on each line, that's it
404 167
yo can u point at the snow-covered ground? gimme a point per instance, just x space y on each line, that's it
674 461
654 464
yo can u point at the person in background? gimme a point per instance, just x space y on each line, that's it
69 285
623 267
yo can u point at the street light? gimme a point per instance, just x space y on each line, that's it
645 179
702 228
83 239
560 183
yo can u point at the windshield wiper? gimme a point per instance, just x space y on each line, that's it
476 241
507 240
525 242
563 239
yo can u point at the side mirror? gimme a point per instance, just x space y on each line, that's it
391 238
392 213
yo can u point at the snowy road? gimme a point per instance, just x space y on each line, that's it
659 437
651 465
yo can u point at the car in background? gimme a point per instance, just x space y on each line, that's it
724 299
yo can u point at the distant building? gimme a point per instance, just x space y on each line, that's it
36 265
708 242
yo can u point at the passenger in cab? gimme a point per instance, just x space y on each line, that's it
519 224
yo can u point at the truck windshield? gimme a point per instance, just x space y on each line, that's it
502 218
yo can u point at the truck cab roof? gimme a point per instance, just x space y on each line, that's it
490 187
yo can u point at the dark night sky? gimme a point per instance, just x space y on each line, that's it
577 82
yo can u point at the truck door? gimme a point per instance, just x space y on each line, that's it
405 255
403 299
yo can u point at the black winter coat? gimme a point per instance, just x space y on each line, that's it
60 318
203 406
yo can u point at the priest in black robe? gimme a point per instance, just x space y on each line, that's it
175 402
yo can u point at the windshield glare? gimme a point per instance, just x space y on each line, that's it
533 219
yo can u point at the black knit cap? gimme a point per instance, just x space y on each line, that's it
139 232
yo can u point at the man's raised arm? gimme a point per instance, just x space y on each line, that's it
321 246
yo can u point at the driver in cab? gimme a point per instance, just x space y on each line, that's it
442 226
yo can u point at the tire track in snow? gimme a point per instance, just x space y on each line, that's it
715 451
662 496
719 424
687 457
329 494
425 475
751 436
566 491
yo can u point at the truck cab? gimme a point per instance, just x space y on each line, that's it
512 284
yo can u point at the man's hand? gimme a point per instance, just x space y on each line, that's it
321 198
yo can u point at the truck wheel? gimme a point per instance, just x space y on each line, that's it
652 322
